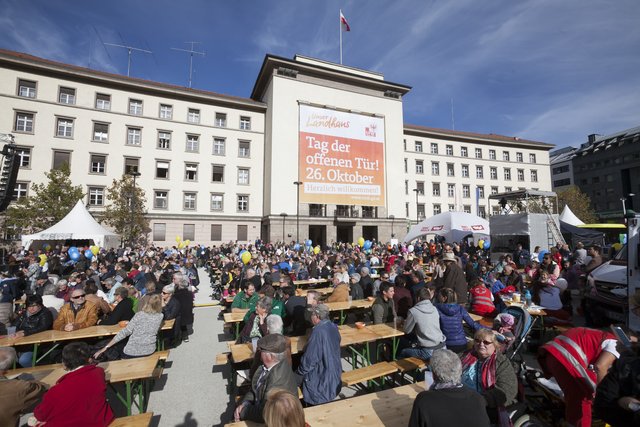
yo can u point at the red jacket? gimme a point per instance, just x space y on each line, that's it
481 303
77 399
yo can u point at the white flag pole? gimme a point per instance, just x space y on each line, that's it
340 30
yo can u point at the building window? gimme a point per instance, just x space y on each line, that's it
493 171
164 140
189 202
134 136
243 176
508 189
193 115
451 190
419 166
420 187
135 107
244 149
507 174
464 152
437 209
98 164
100 132
189 231
534 176
404 143
478 153
505 156
492 154
67 95
218 146
435 168
24 156
64 127
242 232
532 158
561 169
217 200
20 190
61 158
103 101
451 169
162 169
449 150
193 143
434 148
221 120
479 172
452 208
495 210
420 210
245 123
465 171
218 173
466 191
482 212
159 232
406 210
191 171
216 232
480 190
406 187
24 122
406 165
466 209
131 164
418 145
519 157
562 182
243 203
161 200
26 88
166 111
96 196
520 175
494 190
436 189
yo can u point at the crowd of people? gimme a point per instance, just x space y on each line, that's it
428 289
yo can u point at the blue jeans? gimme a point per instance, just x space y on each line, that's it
419 352
25 360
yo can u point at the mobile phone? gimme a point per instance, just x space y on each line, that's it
621 336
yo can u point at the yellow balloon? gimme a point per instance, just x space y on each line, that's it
361 242
95 249
316 250
187 242
180 245
246 257
480 243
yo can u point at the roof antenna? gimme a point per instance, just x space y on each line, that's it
191 52
130 49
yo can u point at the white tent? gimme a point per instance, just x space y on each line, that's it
77 225
453 226
569 217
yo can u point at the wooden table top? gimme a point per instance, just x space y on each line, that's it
322 291
116 371
387 408
55 336
310 282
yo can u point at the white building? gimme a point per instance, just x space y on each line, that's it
218 168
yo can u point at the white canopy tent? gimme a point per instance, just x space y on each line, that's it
569 217
453 226
77 225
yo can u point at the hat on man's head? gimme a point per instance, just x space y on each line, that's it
448 256
273 343
355 276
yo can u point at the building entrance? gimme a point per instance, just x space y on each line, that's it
318 235
370 232
344 233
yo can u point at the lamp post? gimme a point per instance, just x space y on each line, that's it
417 192
297 184
284 217
134 174
624 205
393 218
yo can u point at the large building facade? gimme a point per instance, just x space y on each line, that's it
318 151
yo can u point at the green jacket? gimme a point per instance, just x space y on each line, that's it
242 301
277 307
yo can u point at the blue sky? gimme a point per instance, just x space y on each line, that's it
547 70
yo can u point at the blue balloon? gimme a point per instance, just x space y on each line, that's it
74 255
296 247
88 254
541 255
308 243
367 244
487 244
73 249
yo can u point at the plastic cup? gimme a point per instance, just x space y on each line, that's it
254 343
516 297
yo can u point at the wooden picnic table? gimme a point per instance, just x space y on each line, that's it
387 408
128 371
310 282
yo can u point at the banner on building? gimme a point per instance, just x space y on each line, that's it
341 157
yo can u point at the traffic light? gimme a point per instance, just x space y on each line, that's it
8 175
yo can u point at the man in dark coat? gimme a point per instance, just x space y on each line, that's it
274 373
294 307
453 278
185 298
123 309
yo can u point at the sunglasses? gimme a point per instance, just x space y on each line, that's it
483 342
165 293
78 296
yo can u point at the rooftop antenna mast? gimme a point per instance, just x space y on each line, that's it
130 49
191 52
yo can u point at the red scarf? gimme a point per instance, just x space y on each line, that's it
488 374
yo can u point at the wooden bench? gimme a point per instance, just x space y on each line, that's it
408 364
368 373
140 420
163 355
222 358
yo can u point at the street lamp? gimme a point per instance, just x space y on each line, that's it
284 217
297 184
417 191
624 205
393 218
134 174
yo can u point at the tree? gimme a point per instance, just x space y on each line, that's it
578 202
49 203
125 211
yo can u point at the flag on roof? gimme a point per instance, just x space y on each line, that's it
344 23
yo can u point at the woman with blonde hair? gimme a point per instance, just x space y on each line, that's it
283 410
